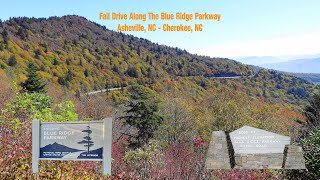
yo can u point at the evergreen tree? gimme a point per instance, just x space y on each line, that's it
12 61
87 139
312 112
62 81
34 83
5 35
68 61
69 76
22 33
55 62
86 72
37 53
142 114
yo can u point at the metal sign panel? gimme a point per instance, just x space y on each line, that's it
90 141
71 141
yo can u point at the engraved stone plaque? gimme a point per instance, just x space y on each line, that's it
250 140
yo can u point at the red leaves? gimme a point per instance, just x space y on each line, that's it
198 142
247 174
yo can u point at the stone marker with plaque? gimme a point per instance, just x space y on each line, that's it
253 148
86 141
256 148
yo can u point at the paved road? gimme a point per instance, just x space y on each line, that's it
233 77
101 91
73 155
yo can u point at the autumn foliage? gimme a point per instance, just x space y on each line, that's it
169 101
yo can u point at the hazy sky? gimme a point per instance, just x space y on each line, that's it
247 27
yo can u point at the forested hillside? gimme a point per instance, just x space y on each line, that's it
82 56
311 77
72 51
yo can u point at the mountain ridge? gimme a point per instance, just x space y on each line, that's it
296 66
81 55
87 43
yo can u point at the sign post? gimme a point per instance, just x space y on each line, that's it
107 140
35 145
85 141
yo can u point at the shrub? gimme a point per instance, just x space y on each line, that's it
311 147
179 124
36 106
26 106
61 112
143 161
312 112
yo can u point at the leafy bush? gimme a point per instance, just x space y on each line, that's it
7 91
143 160
179 124
247 174
38 106
25 106
312 112
176 161
311 147
61 112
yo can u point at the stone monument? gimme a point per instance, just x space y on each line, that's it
218 153
253 148
258 149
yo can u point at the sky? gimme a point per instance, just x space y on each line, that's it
247 27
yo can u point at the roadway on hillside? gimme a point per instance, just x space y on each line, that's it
231 77
114 89
74 155
101 91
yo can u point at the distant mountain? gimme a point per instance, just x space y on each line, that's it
260 60
56 149
296 66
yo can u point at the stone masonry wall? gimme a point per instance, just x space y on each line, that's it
294 157
259 161
218 153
